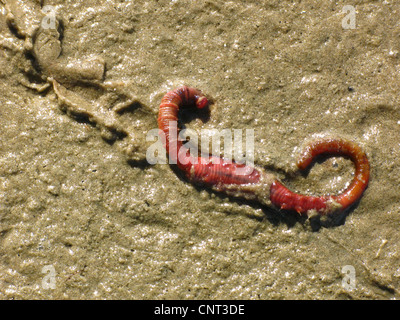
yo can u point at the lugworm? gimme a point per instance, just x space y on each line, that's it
257 184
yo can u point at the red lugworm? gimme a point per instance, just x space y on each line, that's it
256 184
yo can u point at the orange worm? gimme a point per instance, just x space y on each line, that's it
240 180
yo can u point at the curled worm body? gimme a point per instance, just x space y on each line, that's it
286 199
252 182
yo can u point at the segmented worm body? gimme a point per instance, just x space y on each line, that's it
255 183
286 199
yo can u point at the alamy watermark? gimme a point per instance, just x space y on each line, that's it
349 277
49 280
49 20
349 21
199 149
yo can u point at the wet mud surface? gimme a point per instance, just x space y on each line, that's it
79 199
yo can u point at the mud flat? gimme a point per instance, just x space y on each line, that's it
84 215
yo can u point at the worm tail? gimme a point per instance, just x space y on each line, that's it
283 198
